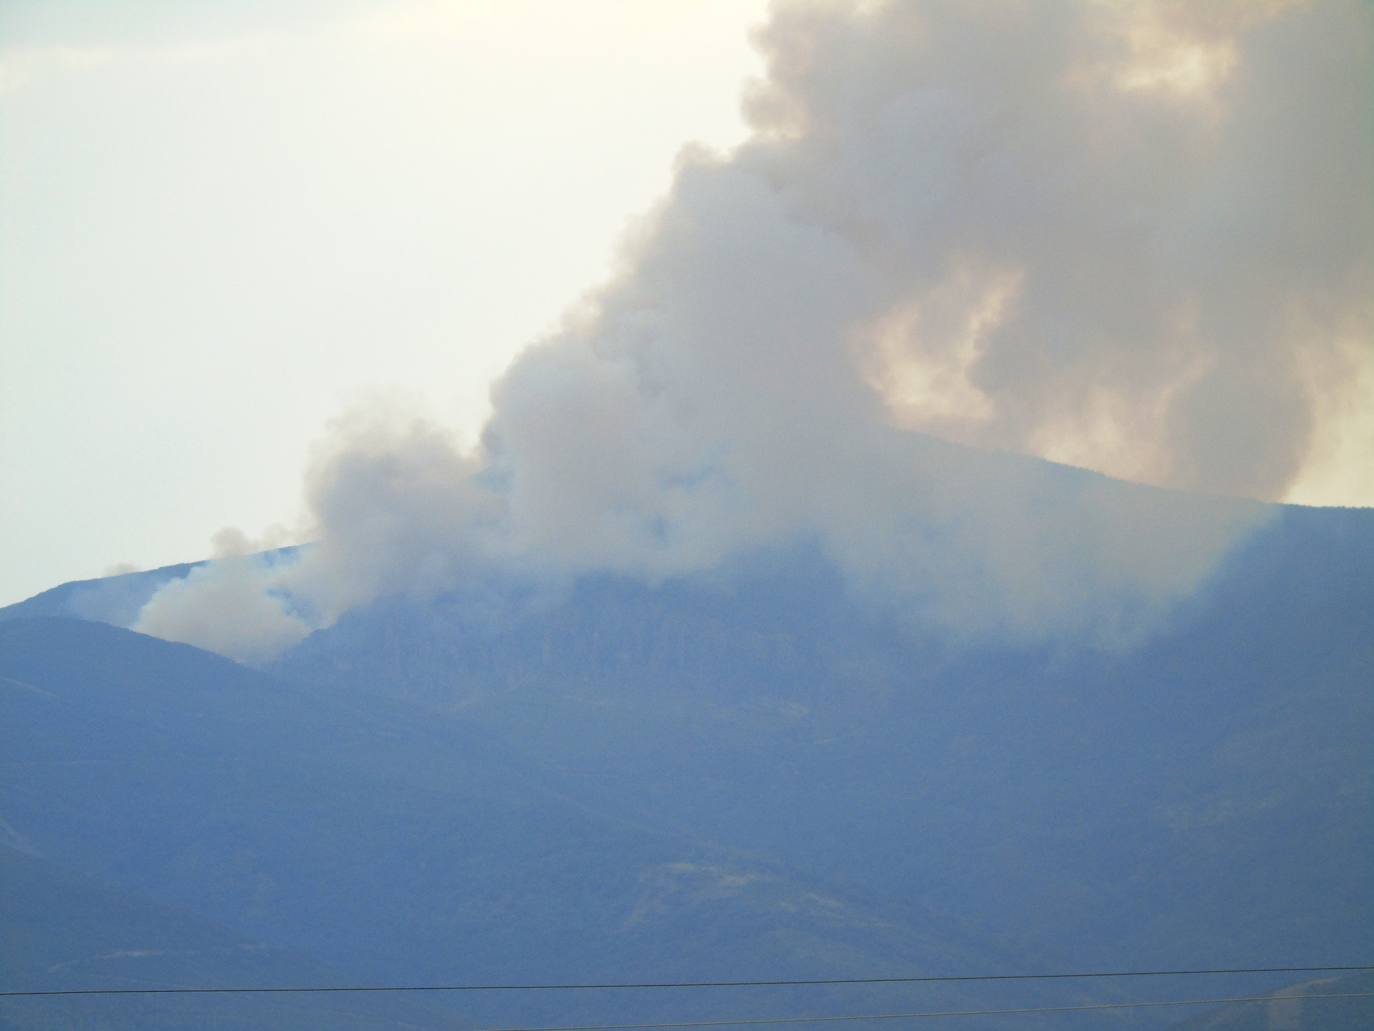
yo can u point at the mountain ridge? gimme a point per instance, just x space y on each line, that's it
750 770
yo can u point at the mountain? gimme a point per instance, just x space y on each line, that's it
747 774
66 931
113 599
1210 791
110 599
231 828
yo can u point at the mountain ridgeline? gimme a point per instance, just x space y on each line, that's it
748 774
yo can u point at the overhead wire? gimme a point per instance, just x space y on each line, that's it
639 985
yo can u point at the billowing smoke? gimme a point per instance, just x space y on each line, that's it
1138 238
232 607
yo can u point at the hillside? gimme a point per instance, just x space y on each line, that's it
351 837
747 774
1210 792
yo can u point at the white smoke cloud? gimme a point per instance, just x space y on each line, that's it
1133 237
233 607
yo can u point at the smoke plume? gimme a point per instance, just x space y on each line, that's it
1133 237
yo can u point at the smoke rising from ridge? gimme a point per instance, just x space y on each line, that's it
1138 238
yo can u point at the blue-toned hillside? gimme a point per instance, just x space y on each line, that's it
264 832
751 774
1206 798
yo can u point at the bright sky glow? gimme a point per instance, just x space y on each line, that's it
221 224
225 224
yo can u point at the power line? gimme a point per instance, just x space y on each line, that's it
626 985
931 1014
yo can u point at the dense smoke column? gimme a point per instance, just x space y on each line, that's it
1137 238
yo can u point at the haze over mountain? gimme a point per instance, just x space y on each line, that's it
747 773
1123 236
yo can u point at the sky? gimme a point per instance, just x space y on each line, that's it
262 264
223 224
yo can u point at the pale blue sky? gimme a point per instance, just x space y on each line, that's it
222 223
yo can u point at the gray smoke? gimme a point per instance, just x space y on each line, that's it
1138 238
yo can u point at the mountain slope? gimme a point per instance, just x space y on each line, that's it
748 773
353 835
66 931
110 599
1203 800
